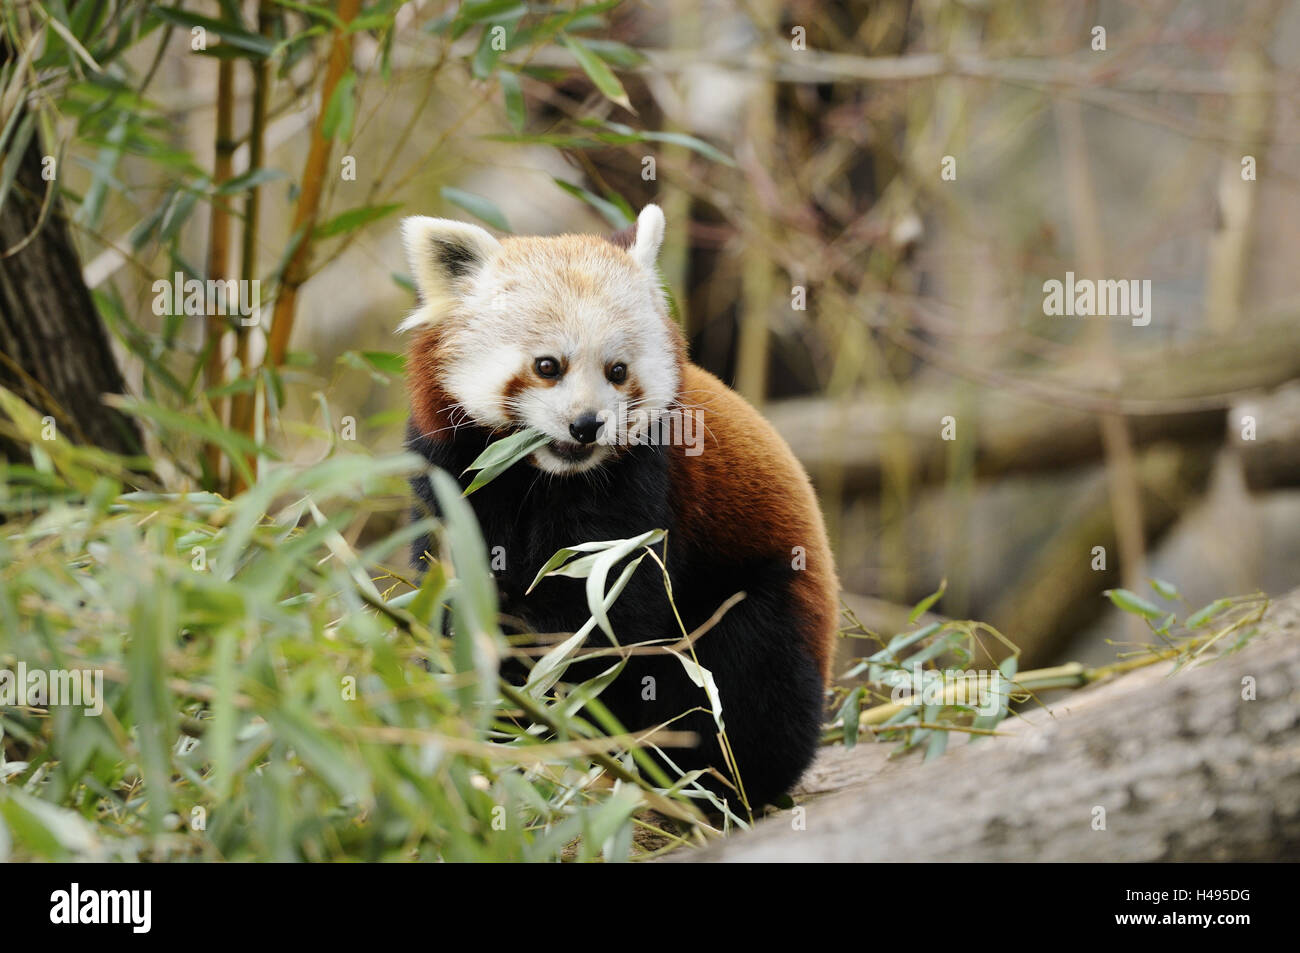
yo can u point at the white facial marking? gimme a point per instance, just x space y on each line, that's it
580 301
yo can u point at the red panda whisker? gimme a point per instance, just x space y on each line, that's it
524 497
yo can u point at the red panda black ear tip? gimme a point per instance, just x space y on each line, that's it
419 230
443 246
443 255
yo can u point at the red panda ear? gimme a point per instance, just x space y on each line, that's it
649 236
442 253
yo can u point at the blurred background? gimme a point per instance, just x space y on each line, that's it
864 200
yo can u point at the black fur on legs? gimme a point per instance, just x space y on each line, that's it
768 680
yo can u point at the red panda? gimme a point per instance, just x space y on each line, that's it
571 335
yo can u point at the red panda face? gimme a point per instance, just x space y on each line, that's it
568 335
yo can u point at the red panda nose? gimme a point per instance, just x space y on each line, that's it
585 428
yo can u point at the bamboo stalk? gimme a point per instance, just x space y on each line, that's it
241 411
313 177
219 244
757 278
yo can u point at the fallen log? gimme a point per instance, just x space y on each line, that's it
1146 767
1027 424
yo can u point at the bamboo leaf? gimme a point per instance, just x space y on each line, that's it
341 111
703 678
477 11
239 38
514 100
922 607
1166 590
502 454
1133 604
249 180
353 219
598 72
1204 615
477 206
616 214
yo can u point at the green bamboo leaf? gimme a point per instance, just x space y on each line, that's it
249 180
320 753
354 218
502 454
604 821
425 599
600 568
1204 615
323 13
236 445
153 620
615 214
45 829
1166 590
922 607
703 678
626 133
513 95
67 36
938 740
563 555
342 108
387 362
550 668
478 642
904 640
14 157
477 206
598 72
221 737
582 697
237 37
476 11
495 40
378 20
1134 604
616 53
596 577
849 715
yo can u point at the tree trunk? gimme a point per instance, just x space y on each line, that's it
54 352
1183 765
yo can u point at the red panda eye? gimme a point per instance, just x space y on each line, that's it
547 367
617 374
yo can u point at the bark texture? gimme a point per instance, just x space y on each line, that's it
54 352
1184 767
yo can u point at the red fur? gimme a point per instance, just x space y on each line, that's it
747 495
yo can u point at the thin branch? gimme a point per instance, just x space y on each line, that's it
313 176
